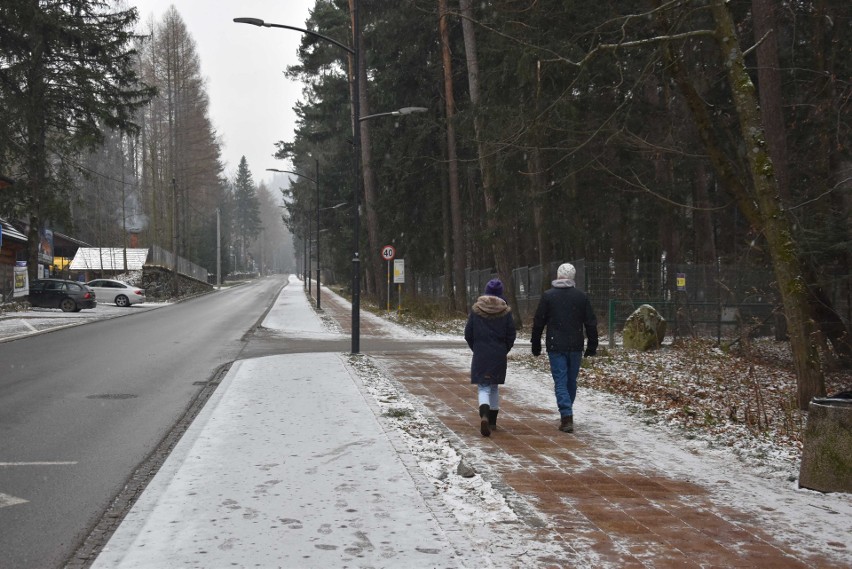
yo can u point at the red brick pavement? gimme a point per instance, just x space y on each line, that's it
599 514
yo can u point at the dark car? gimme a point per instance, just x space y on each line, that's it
70 296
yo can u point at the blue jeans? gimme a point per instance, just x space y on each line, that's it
565 367
489 394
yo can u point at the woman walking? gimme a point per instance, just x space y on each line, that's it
490 333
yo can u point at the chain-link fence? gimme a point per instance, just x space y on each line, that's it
694 299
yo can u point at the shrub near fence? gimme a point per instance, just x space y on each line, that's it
713 299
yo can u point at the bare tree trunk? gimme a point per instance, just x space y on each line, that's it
447 240
537 194
374 261
36 171
457 296
775 222
537 182
501 257
35 158
370 195
769 89
705 240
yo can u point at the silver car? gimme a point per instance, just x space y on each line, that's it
122 294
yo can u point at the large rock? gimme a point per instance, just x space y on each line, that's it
827 453
645 329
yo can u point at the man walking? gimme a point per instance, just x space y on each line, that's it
566 312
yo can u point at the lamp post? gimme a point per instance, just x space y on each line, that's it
357 119
306 271
218 251
356 144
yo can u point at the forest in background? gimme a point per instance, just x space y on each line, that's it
623 132
592 156
132 158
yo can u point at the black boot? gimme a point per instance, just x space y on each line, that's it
567 425
492 418
484 410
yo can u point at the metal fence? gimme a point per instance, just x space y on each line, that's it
690 297
159 257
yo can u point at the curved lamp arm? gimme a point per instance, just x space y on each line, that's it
291 172
262 24
402 111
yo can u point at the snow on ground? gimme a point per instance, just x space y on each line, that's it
722 420
478 506
691 410
19 323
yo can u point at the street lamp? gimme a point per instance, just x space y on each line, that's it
401 112
356 144
357 119
306 257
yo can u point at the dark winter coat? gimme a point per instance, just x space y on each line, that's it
566 312
490 333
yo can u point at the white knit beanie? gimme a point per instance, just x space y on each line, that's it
566 271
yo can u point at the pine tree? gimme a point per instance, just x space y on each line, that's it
67 74
246 209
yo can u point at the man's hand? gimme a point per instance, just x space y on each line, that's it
590 352
536 348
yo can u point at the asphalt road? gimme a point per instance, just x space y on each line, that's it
82 407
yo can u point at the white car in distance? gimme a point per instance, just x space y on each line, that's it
122 294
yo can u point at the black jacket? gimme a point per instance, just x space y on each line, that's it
490 333
565 311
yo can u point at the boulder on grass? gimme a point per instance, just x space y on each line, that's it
645 329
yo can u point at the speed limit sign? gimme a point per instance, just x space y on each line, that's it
388 252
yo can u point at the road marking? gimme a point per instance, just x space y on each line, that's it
28 325
7 500
57 463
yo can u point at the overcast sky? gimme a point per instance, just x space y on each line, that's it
251 100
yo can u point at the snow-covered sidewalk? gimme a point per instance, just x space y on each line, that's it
328 459
748 507
286 466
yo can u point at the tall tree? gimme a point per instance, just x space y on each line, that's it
107 208
568 143
769 82
67 73
373 266
458 288
486 154
181 162
246 210
774 221
758 194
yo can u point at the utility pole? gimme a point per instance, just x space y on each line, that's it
175 282
318 234
218 250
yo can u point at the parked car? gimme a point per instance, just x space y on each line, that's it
122 294
70 296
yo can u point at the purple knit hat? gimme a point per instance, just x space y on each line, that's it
494 288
